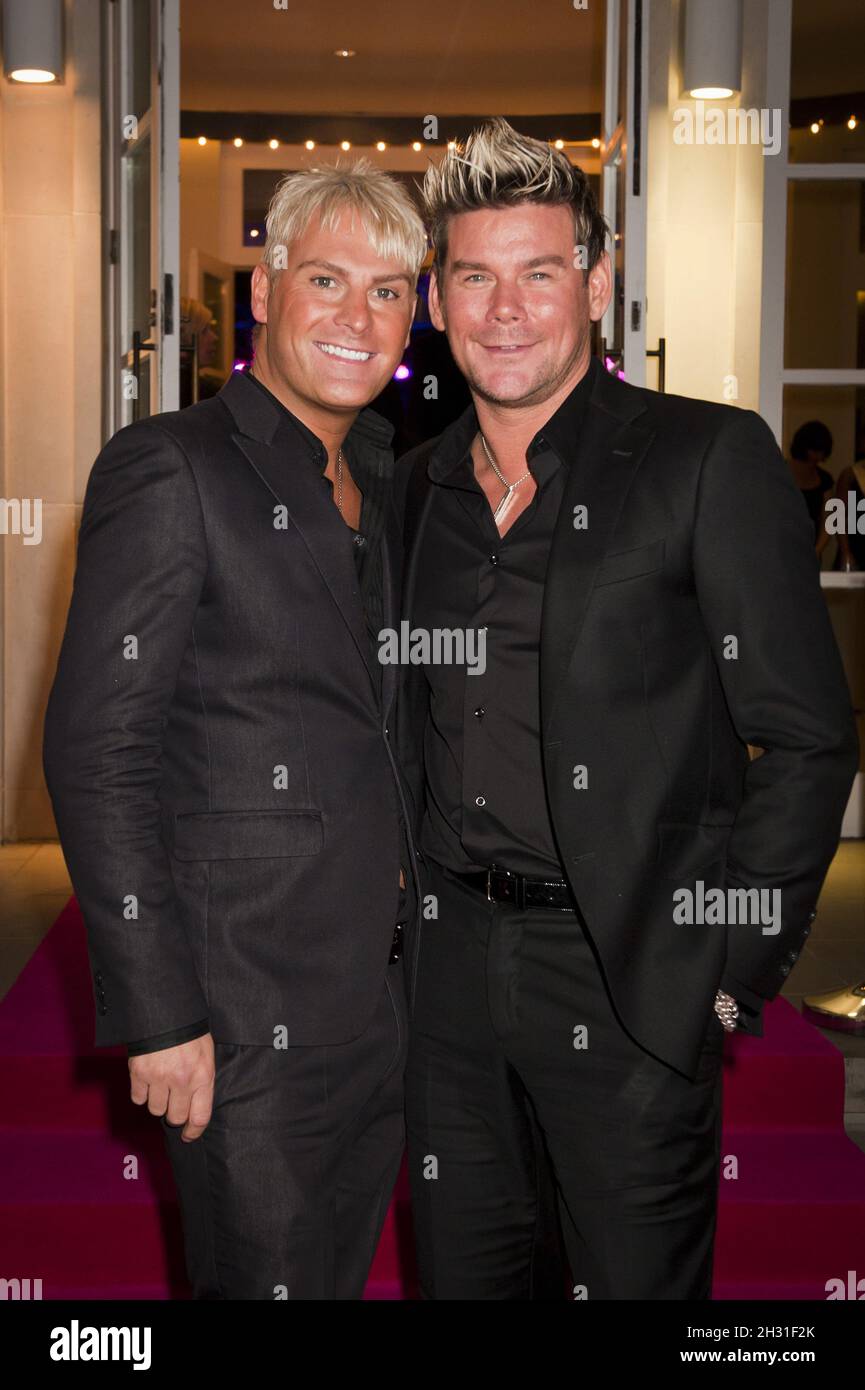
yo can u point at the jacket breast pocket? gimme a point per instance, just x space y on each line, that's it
630 564
245 834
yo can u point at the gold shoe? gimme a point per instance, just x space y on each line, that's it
843 1009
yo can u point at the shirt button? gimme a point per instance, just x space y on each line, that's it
480 712
494 559
480 801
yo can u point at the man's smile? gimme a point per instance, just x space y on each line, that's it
345 354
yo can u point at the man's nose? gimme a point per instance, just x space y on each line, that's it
506 304
354 312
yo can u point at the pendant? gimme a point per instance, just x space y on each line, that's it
504 502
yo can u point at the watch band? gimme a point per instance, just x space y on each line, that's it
727 1010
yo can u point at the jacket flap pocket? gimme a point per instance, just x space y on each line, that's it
628 564
684 850
245 834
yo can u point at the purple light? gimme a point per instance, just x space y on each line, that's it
402 372
239 366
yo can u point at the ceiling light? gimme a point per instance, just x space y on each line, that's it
309 144
202 139
344 53
712 66
559 144
380 145
273 144
851 124
345 144
33 40
815 128
596 144
416 146
238 143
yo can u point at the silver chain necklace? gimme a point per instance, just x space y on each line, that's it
339 481
510 487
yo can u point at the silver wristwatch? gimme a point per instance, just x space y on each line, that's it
727 1010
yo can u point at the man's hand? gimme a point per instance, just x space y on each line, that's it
177 1083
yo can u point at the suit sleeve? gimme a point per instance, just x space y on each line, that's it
141 565
757 582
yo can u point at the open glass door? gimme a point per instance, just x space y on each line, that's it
623 185
143 195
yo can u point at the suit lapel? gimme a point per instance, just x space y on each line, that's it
297 490
608 454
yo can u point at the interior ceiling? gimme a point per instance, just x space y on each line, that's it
828 48
453 56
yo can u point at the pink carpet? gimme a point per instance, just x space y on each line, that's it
793 1218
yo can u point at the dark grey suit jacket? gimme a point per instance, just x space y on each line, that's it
215 749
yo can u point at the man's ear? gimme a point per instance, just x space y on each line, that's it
435 302
600 287
260 292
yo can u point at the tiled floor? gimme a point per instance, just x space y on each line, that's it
34 887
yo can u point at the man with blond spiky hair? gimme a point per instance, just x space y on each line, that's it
643 572
217 749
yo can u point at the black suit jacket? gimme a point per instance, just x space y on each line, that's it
216 753
696 535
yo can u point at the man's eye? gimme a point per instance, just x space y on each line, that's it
475 275
539 274
317 279
386 290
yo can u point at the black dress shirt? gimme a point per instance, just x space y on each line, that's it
374 477
486 802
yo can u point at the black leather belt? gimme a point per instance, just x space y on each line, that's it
501 886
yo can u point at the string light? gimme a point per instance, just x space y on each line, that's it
273 144
815 128
559 144
202 139
851 124
309 144
238 143
416 146
345 144
596 144
380 146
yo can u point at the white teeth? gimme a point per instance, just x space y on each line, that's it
347 353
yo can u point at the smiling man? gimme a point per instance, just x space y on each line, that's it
218 755
644 572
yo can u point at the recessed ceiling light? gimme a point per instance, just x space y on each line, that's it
344 53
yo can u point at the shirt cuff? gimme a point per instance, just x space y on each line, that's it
160 1041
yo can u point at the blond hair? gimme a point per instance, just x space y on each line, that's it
385 209
497 168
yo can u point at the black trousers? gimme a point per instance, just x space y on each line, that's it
285 1193
512 1020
